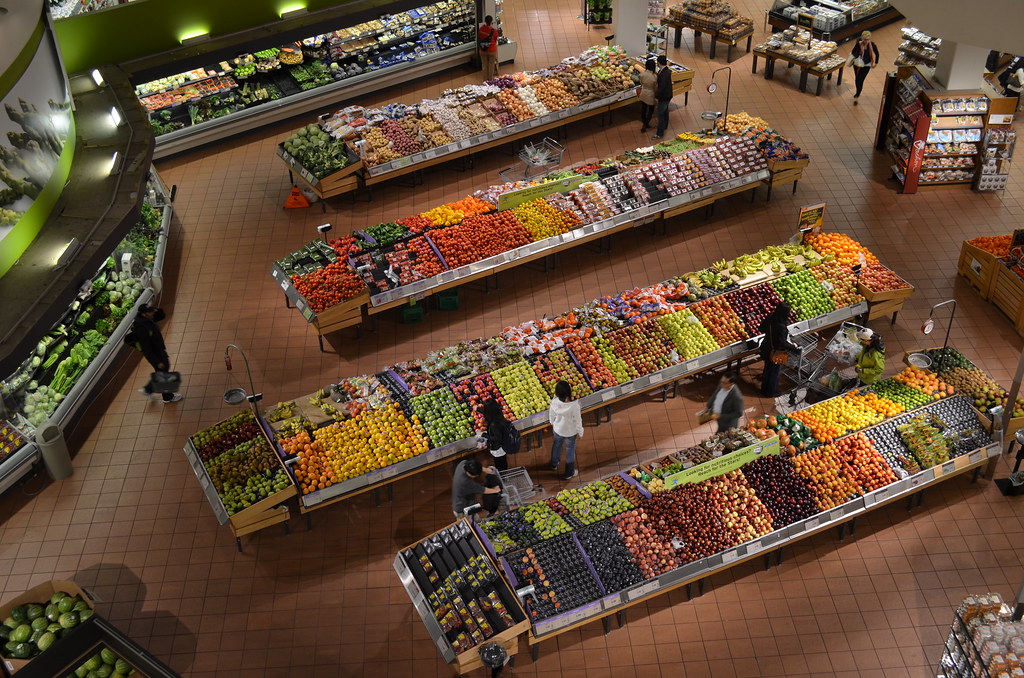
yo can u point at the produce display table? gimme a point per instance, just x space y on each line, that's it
270 510
882 304
595 402
593 556
826 74
729 40
771 57
549 246
356 175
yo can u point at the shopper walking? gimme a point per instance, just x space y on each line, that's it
567 427
487 35
774 348
871 361
501 436
864 57
474 483
726 403
648 82
145 337
663 95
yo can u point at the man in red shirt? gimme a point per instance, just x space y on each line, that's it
487 35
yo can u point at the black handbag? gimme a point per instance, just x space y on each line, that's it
164 382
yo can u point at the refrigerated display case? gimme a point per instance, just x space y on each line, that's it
841 21
55 380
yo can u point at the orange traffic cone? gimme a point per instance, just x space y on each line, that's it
295 199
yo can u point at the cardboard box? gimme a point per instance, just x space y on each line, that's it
40 594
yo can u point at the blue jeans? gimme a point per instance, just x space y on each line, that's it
662 117
570 450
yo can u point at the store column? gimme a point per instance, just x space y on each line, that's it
960 66
629 20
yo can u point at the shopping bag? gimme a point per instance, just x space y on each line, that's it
778 357
704 416
164 382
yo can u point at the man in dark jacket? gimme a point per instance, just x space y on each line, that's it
146 337
663 95
726 403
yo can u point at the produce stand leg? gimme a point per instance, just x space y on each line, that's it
728 53
320 341
795 185
753 69
714 43
535 652
606 623
803 79
839 76
753 193
817 91
749 39
238 543
893 321
287 304
309 522
620 617
679 37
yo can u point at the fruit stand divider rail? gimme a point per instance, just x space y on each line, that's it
539 421
461 275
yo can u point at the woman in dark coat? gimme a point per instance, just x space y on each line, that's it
776 338
146 337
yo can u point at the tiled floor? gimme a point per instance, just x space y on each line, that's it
133 527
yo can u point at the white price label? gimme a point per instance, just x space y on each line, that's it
627 388
284 285
693 366
641 591
811 523
976 456
608 395
730 556
837 514
754 547
656 378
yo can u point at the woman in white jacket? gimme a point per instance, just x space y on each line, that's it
567 425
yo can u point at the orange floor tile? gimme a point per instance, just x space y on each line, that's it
133 527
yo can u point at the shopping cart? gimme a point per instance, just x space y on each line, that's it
536 160
836 374
519 488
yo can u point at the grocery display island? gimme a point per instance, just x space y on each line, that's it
841 21
593 551
373 146
717 19
394 264
796 47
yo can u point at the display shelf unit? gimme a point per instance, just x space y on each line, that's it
657 39
727 29
796 46
995 158
350 62
932 136
616 601
841 21
12 407
917 48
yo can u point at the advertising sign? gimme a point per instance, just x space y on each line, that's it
724 464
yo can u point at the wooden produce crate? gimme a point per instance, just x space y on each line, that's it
978 267
263 513
40 594
346 314
785 176
884 303
1007 292
776 165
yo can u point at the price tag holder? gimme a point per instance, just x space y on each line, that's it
627 388
754 547
285 285
730 556
610 394
656 378
977 456
641 591
693 366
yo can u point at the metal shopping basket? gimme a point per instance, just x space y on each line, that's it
519 488
836 373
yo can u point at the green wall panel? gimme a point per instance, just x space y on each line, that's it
149 27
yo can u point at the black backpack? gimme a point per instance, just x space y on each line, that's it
513 440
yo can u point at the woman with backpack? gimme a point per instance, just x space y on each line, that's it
501 436
567 426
